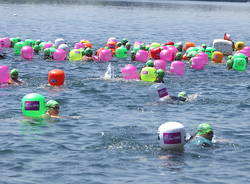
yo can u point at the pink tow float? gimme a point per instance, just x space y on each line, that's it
130 72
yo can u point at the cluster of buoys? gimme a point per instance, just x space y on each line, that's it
141 52
176 54
60 51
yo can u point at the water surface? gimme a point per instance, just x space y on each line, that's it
115 140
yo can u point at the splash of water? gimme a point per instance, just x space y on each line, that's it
109 74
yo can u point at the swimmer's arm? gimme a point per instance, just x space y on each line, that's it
188 139
68 117
221 140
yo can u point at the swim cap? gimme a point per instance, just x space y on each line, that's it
142 47
124 41
88 52
230 63
160 73
47 52
204 128
52 104
36 48
14 73
178 56
150 63
182 94
37 42
118 44
128 45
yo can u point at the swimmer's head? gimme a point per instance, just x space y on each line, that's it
133 53
178 56
52 108
37 42
52 104
204 46
182 94
118 44
47 52
128 46
204 128
124 41
36 48
88 52
14 74
142 47
160 73
150 63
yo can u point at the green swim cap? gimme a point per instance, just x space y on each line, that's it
160 73
36 48
124 41
150 63
230 63
204 128
118 44
14 73
37 42
88 52
178 56
182 94
142 47
47 52
52 104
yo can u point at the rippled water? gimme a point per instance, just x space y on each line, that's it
114 140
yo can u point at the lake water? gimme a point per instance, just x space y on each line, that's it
115 138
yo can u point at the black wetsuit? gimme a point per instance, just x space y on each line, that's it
176 98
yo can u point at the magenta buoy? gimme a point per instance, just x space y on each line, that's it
27 52
204 56
105 55
198 63
59 55
160 64
130 72
141 56
177 67
5 42
5 74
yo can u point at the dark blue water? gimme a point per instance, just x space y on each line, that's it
114 140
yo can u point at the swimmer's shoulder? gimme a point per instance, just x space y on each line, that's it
201 141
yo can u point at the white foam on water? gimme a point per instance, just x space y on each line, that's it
109 74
